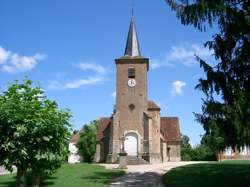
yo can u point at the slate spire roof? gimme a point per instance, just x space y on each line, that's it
132 46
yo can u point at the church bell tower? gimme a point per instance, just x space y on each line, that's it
131 97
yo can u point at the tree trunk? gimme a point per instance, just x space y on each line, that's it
219 155
36 178
21 178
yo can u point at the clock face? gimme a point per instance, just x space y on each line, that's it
131 82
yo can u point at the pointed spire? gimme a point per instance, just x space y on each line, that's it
132 46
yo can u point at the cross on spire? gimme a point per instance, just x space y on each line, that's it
132 8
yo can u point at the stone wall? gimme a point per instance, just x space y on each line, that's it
155 158
164 152
98 153
173 151
155 131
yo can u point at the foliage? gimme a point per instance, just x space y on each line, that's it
185 141
87 142
71 175
187 154
198 153
229 174
214 143
33 131
226 108
186 148
203 152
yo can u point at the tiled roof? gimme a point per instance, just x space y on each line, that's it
75 137
103 124
153 106
170 128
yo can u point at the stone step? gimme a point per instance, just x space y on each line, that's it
134 160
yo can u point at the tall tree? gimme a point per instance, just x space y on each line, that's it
215 143
185 141
226 107
87 142
186 148
34 133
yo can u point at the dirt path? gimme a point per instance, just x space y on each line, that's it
144 175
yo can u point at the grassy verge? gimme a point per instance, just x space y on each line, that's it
79 175
224 174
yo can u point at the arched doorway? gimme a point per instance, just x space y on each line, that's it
131 143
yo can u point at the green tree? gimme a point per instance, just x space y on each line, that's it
225 111
186 148
203 152
87 142
51 148
200 152
215 145
185 141
34 133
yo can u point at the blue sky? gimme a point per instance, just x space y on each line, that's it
68 47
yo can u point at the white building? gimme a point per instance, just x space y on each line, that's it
74 157
242 154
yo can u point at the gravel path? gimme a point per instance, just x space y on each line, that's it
144 175
147 179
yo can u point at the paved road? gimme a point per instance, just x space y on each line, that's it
144 175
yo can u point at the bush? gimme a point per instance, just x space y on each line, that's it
201 152
87 142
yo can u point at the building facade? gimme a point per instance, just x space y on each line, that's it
136 123
74 156
236 154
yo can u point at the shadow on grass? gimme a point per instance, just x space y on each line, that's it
10 180
9 183
103 177
71 175
206 175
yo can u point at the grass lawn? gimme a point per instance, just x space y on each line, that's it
78 175
224 174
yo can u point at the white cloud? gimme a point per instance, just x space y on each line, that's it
154 64
98 77
4 55
12 62
185 53
177 87
57 85
8 69
82 82
94 67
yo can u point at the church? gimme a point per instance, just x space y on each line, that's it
136 125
